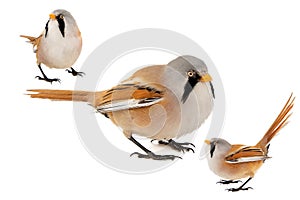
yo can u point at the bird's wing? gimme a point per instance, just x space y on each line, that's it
242 153
130 96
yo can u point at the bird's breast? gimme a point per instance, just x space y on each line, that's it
59 52
196 109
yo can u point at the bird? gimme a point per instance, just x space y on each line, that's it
159 102
236 161
59 45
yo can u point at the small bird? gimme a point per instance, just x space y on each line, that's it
233 162
59 45
160 102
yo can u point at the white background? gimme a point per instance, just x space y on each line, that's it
255 45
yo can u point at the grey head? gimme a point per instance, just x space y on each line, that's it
65 21
218 144
186 62
194 70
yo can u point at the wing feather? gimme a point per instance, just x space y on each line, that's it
130 96
243 153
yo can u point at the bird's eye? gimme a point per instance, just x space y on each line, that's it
191 73
61 16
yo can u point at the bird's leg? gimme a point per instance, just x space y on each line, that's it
178 146
149 154
74 72
241 187
45 78
226 182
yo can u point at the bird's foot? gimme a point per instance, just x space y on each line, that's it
151 155
238 189
226 182
178 146
50 80
74 72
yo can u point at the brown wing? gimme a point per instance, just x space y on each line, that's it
128 96
242 153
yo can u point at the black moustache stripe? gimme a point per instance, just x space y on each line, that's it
212 149
61 25
212 89
188 88
46 28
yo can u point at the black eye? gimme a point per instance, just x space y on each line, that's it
61 16
191 73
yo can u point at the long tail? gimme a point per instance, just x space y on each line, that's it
65 95
279 122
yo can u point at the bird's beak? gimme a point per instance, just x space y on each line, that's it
205 78
207 141
52 16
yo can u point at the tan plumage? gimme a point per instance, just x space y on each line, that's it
278 124
234 162
63 95
120 92
150 103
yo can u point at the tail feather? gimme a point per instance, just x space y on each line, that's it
33 40
279 123
30 38
64 95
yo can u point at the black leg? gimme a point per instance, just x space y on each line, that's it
241 187
149 154
74 72
226 182
177 145
45 78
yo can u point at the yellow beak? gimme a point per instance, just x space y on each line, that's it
205 78
207 141
52 16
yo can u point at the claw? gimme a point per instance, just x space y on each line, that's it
225 182
238 189
176 145
50 80
181 146
153 156
75 73
241 187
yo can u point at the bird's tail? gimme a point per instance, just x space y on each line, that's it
65 95
279 123
31 39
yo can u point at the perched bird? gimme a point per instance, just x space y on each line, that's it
236 161
59 45
159 102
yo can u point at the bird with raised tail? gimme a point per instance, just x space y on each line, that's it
160 102
235 161
59 45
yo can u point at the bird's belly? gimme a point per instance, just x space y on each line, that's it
59 54
231 171
195 111
151 122
167 119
